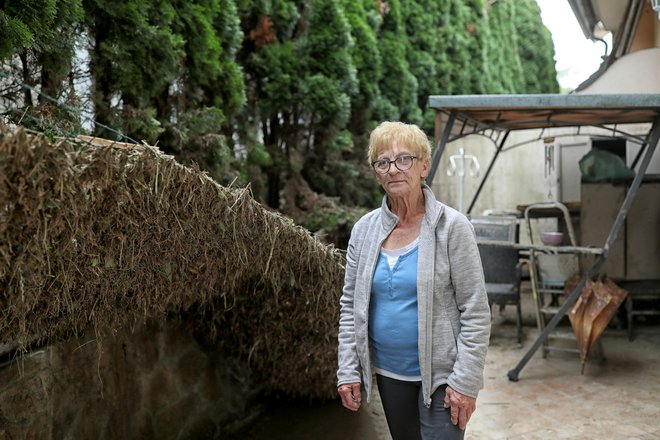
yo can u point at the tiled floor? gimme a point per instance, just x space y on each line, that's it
615 398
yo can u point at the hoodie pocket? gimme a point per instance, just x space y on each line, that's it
445 348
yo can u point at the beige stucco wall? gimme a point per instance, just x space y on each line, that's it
519 176
636 72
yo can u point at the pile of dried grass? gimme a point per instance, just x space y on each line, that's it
99 237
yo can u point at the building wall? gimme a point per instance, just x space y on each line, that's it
521 175
502 191
647 32
156 382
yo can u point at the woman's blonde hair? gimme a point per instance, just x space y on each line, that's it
408 135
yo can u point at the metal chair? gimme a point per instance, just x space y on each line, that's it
501 264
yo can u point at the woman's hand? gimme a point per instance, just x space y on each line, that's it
460 405
351 396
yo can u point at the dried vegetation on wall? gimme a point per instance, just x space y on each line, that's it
98 237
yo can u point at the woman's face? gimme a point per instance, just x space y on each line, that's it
397 183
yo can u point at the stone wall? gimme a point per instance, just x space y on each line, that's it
154 382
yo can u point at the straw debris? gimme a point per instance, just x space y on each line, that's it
96 235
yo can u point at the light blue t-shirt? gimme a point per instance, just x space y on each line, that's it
393 319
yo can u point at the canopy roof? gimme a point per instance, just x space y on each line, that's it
515 112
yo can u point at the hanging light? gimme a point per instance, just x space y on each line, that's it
655 4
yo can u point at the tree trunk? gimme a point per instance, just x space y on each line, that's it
271 142
101 71
51 76
27 94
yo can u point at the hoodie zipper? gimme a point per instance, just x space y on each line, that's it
429 323
372 269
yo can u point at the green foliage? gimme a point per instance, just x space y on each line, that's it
536 49
136 48
327 44
504 53
323 100
423 40
398 85
276 71
56 57
141 123
198 142
15 34
196 123
330 78
42 34
461 64
476 36
229 87
366 57
27 24
37 43
326 97
263 92
258 156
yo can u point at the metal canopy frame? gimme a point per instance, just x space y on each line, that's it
495 116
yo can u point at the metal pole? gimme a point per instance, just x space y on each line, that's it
490 167
452 170
461 174
593 271
441 147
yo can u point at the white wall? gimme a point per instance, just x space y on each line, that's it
518 177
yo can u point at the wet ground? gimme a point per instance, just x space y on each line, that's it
298 421
615 398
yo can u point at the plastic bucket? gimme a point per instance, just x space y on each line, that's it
555 269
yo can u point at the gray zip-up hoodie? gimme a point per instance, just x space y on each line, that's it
454 317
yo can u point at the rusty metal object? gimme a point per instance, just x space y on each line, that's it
592 311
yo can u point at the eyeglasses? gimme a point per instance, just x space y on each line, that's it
402 163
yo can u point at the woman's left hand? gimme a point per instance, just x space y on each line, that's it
460 405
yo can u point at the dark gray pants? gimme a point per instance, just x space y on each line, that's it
407 416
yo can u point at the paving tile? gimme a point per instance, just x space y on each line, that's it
615 398
650 436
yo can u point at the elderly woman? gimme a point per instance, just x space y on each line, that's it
414 310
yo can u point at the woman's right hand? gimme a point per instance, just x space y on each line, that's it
351 396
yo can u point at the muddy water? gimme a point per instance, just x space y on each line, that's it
320 421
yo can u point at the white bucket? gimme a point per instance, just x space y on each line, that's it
555 269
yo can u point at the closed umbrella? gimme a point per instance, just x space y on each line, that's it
592 311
